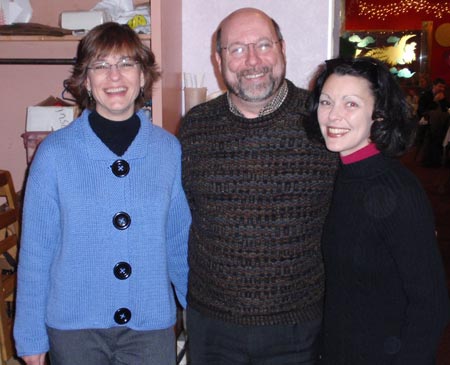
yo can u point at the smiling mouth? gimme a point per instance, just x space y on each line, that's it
254 76
116 90
253 73
337 132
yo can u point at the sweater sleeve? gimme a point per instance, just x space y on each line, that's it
179 221
410 237
40 234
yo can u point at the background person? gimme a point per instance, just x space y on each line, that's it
433 112
386 299
434 98
258 191
106 221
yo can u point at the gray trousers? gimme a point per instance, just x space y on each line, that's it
112 346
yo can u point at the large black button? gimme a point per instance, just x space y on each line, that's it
121 220
122 316
120 168
122 270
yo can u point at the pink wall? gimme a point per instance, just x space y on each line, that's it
22 86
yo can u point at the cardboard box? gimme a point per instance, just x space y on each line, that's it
50 115
83 20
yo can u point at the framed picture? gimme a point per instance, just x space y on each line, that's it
404 52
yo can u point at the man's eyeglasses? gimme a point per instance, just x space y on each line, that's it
123 66
240 50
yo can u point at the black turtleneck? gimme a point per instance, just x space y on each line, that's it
386 299
117 136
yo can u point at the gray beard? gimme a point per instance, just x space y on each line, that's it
270 88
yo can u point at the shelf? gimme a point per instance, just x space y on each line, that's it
43 60
41 38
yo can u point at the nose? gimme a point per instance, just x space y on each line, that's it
334 113
252 57
114 72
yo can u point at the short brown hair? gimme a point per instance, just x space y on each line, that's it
101 41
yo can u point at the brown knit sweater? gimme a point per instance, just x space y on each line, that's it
259 191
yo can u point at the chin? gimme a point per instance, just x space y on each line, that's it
331 147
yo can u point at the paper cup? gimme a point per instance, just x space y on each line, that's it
193 96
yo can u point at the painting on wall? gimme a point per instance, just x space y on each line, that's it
404 52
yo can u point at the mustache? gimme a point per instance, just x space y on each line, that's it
253 71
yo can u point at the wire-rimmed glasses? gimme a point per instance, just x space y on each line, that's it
124 65
240 50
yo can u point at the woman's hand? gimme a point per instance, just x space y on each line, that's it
38 359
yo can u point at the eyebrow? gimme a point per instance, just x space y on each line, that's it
344 97
103 58
264 38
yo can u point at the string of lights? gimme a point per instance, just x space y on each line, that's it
403 7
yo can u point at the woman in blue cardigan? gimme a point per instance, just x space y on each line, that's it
105 222
386 299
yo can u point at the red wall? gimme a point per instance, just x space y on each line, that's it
411 19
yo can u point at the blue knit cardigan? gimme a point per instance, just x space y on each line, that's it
70 246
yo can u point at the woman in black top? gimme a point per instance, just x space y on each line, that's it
386 300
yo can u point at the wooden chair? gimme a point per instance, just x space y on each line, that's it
9 238
8 192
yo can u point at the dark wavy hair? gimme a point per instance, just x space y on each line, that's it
392 115
101 41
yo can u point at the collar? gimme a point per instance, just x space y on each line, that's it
361 154
97 150
273 105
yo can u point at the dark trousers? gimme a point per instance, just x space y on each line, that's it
112 346
214 342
